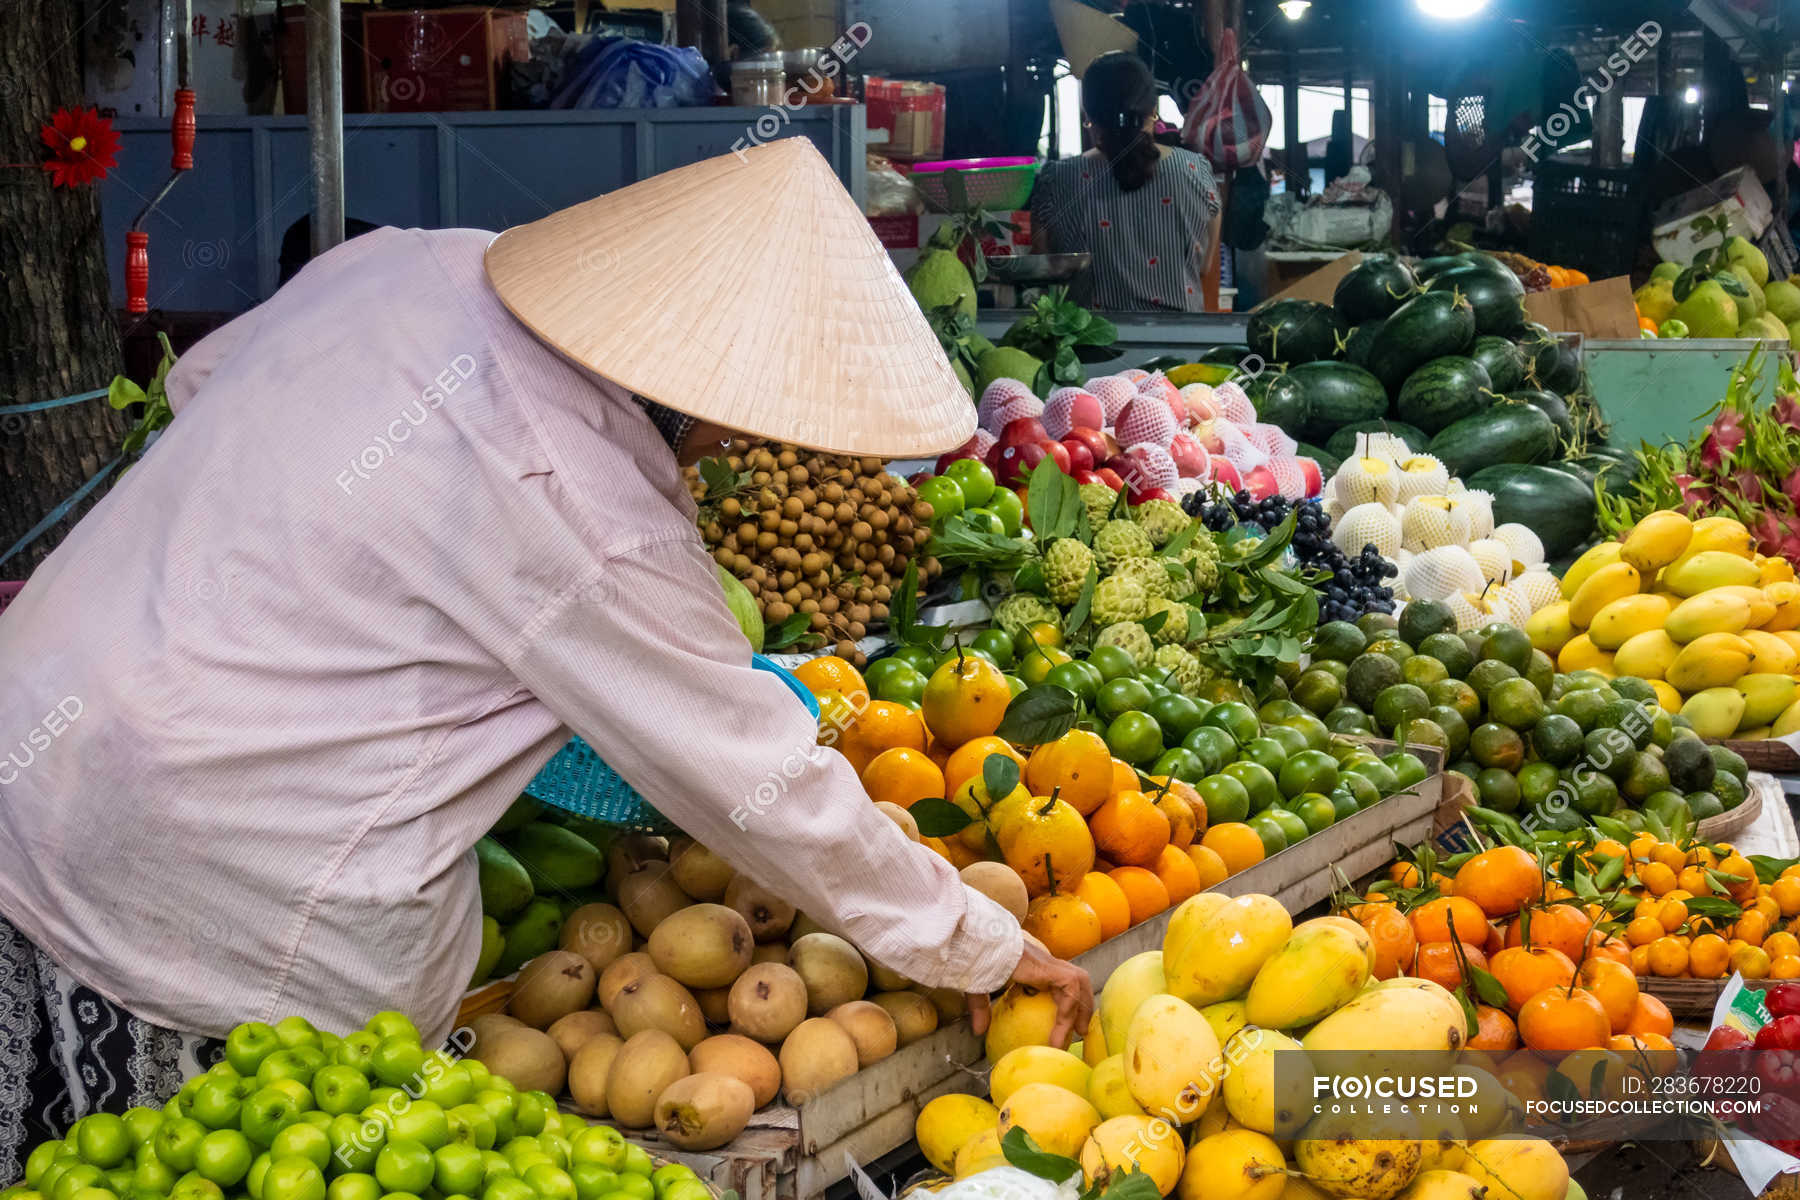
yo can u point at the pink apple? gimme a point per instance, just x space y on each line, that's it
1080 457
1260 483
1072 408
1315 480
1226 475
1146 419
1189 455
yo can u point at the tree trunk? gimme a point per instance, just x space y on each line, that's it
58 334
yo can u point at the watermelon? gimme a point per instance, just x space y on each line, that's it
1295 331
1615 476
1498 296
1336 394
1284 404
1228 354
1343 442
1431 267
1554 406
1428 326
1539 346
1506 433
1504 361
1553 504
1565 374
1443 391
1356 346
1374 288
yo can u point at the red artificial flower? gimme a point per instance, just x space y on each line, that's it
83 146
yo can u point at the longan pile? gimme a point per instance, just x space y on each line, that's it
821 534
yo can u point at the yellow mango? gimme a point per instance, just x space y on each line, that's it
1625 618
1057 1119
1771 655
1716 611
1253 1091
1022 1016
980 1153
1214 956
1036 1064
1762 609
1785 596
1093 1042
1430 989
1788 722
948 1122
1765 698
1382 1020
1605 585
1136 980
1707 570
1107 1091
1445 1141
1518 1169
1549 628
1791 637
1710 660
1666 695
1366 1156
1172 1062
1440 1183
1316 972
1580 654
1133 1143
1233 1164
1226 1017
1753 735
1715 712
1647 655
1775 569
1599 555
1657 540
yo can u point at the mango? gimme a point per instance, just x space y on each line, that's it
1726 534
1107 1090
1785 596
1765 698
947 1123
1754 734
1235 1164
1518 1169
1037 1064
1443 1184
493 945
1316 972
1384 1019
1599 555
1226 1018
1762 609
1057 1119
1445 1140
1491 1109
557 859
1580 654
505 886
1788 722
1253 1092
1436 991
1022 1016
1357 932
1609 583
1770 654
1718 611
1211 951
1666 696
1657 540
1216 1119
1625 618
1647 655
535 930
1710 660
1172 1063
1709 569
1136 980
1366 1156
1124 1144
980 1153
1715 712
1549 628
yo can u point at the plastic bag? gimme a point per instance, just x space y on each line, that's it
889 193
627 73
1228 122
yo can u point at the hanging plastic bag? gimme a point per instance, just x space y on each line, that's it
1228 121
627 73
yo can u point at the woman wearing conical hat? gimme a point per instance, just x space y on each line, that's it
421 515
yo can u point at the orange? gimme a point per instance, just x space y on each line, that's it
1608 848
1784 966
1108 901
1526 971
829 673
1501 880
1046 842
1646 907
1658 878
1236 844
1752 962
1708 957
966 698
1124 777
1643 930
1130 829
1067 924
1672 915
1693 879
1614 986
1392 934
1178 873
1450 917
1635 1043
1786 892
1780 944
1182 825
1494 1031
1668 958
1560 926
1752 927
1558 1020
1669 855
901 776
1770 910
1640 959
1196 804
1609 946
1652 1016
1144 892
1437 962
1405 874
965 762
1208 864
882 725
1077 766
1736 864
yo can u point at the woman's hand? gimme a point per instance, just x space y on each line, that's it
1068 983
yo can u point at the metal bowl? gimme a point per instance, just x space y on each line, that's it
1037 268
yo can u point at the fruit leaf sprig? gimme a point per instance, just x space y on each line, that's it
1025 1154
122 393
1062 335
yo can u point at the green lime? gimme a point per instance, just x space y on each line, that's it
1134 737
1595 795
1583 706
1646 776
1259 783
879 670
1112 662
1633 688
1319 691
1630 718
1577 680
1373 624
918 657
1289 738
1183 764
1662 727
996 645
1397 705
1726 786
1339 671
1236 718
1347 718
1277 710
1338 640
1274 838
1010 508
1454 727
1536 781
1370 675
1731 762
1665 805
1075 677
1292 826
1018 687
1361 788
1155 686
1515 703
1343 804
1423 731
1496 745
1556 738
1378 773
1391 647
1455 693
1226 799
1450 650
1609 751
1498 788
1508 645
1036 661
1542 673
944 496
1215 746
1176 714
1422 618
1422 670
1118 696
1488 672
973 478
1705 804
1408 770
1266 751
1312 731
1308 771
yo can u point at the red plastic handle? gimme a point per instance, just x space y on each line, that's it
181 130
137 271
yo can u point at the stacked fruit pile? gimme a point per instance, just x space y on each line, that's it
1347 587
1177 1074
297 1113
698 988
1538 276
1691 607
1725 293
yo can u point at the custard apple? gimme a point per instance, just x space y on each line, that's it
1151 573
1066 564
1130 637
1099 500
1119 540
1180 669
1021 610
1119 598
1161 519
1174 628
1202 555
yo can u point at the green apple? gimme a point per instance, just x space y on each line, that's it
217 1102
528 1113
328 1042
557 1147
508 1187
95 1193
142 1122
404 1166
356 1050
293 1063
637 1160
102 1139
339 1089
118 1181
296 1031
189 1087
176 1140
392 1024
600 1145
355 1143
403 1196
253 1178
422 1122
493 1165
224 1157
387 1097
527 1159
52 1174
192 1187
152 1174
458 1168
39 1161
499 1107
397 1061
175 1107
250 1043
303 1140
353 1186
670 1173
687 1189
592 1180
636 1186
450 1084
478 1073
501 1084
319 1120
266 1113
471 1125
299 1091
293 1179
550 1182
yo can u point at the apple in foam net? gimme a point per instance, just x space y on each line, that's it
1189 455
1226 474
1260 483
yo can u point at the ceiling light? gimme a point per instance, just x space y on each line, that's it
1293 10
1451 10
1691 96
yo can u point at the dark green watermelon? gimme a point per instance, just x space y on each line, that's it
1328 462
1443 391
1361 339
1554 406
1374 288
1555 505
1539 347
1505 433
1227 354
1283 404
1565 375
1431 267
1343 442
1428 326
1295 331
1504 362
1337 393
1497 296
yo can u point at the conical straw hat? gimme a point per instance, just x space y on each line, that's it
746 290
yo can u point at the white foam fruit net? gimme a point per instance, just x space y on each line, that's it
1480 507
1526 547
1539 587
1493 557
1440 573
1240 452
1365 480
1367 524
1234 405
1432 521
1422 475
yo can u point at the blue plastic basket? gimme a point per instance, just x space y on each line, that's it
578 780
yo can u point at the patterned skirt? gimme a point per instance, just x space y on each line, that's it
66 1051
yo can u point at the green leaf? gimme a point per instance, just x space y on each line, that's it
1769 869
1078 615
122 393
1471 1022
1655 825
1610 872
999 775
903 606
787 633
1155 621
1052 499
1712 906
1038 715
1181 541
937 817
1490 989
1133 1185
1033 1159
1099 332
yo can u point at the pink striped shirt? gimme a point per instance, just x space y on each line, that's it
260 704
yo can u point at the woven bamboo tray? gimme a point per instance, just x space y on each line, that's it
1718 828
1767 755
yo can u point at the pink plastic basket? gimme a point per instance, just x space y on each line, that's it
7 592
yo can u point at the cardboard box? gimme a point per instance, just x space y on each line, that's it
441 60
1737 196
1320 284
1602 309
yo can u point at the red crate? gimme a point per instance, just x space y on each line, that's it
910 113
440 60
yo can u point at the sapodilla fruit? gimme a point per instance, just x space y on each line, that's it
659 1002
572 1031
588 1070
599 933
649 896
627 968
703 1112
768 914
914 1015
702 946
739 1057
550 987
819 1053
832 969
885 979
698 871
527 1057
870 1027
999 883
631 851
642 1069
487 1026
767 1002
715 1004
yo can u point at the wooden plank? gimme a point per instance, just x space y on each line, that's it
827 1165
889 1084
